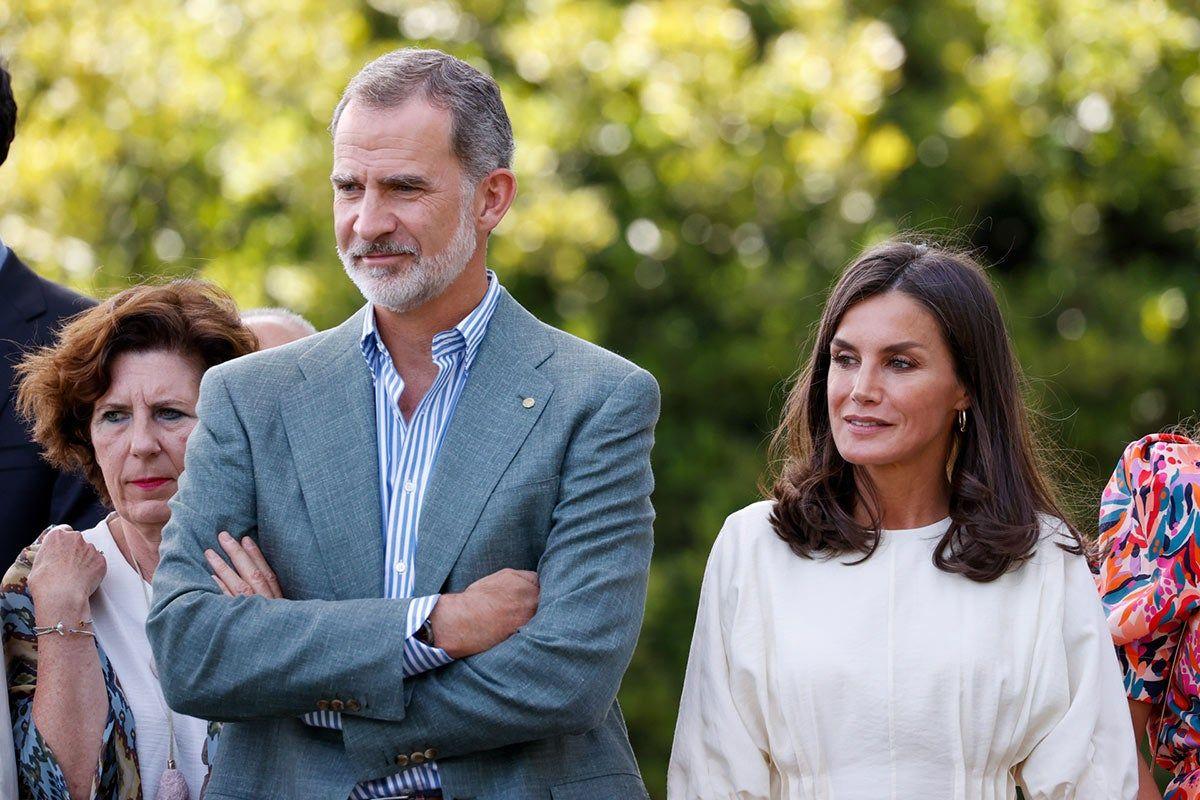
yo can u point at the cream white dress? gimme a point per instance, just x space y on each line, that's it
893 680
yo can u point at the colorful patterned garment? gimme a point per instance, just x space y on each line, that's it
1150 585
39 775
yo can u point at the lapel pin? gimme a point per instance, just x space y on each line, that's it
528 402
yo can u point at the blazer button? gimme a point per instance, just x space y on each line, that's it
336 705
431 754
417 758
352 705
322 705
401 760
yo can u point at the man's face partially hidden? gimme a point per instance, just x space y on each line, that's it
403 209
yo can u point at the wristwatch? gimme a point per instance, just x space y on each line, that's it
424 634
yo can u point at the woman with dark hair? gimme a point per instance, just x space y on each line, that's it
114 399
907 616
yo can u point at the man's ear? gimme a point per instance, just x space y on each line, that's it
493 197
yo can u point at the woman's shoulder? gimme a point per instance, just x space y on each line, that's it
1161 450
746 533
1161 461
1057 542
99 536
1151 496
755 514
1054 531
750 522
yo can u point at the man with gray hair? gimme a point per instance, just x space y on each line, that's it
275 326
455 498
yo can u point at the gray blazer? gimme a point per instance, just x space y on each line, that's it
285 451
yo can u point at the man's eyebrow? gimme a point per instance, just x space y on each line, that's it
397 181
404 181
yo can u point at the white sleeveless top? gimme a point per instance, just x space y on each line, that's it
119 611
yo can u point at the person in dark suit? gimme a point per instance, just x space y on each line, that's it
32 494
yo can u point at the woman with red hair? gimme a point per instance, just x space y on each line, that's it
115 400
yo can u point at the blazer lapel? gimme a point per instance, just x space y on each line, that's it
490 423
330 423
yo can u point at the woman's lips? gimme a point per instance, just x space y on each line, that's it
150 484
866 427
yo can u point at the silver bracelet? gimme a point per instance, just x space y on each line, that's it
62 630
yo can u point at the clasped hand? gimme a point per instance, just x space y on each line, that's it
65 573
480 617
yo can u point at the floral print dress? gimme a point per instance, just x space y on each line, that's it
1150 584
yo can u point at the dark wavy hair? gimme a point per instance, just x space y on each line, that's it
997 486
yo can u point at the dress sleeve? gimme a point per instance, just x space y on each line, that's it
1148 557
1087 751
720 748
38 771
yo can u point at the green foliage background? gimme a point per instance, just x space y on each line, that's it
693 174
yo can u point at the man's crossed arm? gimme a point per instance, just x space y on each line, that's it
558 674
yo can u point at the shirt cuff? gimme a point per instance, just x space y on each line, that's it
323 719
418 656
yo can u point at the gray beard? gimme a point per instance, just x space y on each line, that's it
425 279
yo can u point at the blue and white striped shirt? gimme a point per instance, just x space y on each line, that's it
407 453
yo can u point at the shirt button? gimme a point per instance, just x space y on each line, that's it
401 567
410 486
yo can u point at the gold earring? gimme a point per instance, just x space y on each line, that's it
962 420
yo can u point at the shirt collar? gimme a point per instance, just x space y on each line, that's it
466 335
3 253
